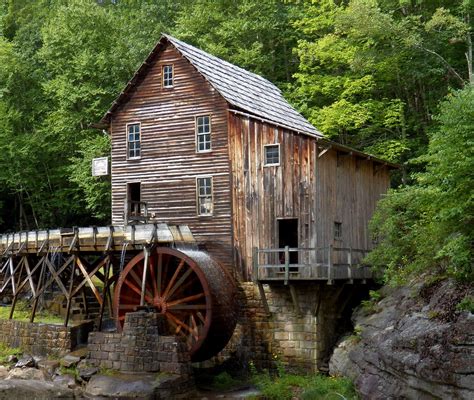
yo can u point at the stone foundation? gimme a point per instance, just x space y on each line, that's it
302 340
139 348
43 339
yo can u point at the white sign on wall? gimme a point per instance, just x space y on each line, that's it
100 166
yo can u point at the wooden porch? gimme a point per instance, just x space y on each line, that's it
328 263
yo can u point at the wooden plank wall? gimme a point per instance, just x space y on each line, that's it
316 190
169 163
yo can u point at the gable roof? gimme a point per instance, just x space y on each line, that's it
240 88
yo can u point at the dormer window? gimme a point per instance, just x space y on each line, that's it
133 141
167 76
203 133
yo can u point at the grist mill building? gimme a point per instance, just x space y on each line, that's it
200 142
232 217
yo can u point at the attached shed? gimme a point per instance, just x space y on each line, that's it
201 142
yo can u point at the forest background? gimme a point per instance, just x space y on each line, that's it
390 77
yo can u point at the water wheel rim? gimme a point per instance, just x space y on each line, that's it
190 263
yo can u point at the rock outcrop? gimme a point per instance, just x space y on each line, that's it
412 344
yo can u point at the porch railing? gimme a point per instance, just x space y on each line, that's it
319 263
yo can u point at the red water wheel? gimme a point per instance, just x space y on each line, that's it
193 292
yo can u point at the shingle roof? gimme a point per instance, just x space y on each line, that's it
244 89
240 88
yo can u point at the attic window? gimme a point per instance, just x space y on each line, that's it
272 154
203 133
167 76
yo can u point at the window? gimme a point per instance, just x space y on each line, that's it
204 195
167 76
338 230
133 140
203 133
272 154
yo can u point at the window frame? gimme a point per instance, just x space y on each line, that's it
199 196
139 141
163 85
197 134
337 226
265 146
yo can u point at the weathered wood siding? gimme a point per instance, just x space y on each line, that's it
169 164
316 190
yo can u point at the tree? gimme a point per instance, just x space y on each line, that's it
371 73
428 226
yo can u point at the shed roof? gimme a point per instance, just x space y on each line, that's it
240 88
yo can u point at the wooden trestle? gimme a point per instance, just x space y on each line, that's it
34 261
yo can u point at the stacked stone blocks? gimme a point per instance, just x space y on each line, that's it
42 339
139 348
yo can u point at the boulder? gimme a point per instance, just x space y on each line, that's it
65 380
26 374
12 359
121 386
86 372
3 372
416 345
48 366
25 362
69 361
38 390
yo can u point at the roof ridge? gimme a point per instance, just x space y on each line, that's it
197 49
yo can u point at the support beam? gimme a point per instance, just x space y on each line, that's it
294 298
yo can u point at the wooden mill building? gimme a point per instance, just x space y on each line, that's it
201 142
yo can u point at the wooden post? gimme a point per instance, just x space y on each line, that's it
330 265
71 286
255 276
145 269
287 264
105 292
39 287
349 268
294 298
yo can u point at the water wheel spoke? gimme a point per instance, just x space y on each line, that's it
179 283
201 317
128 306
138 291
173 279
139 282
192 282
188 307
182 324
154 283
159 273
186 299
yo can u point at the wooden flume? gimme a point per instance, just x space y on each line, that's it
186 285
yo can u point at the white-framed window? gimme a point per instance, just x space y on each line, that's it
168 76
133 140
337 230
204 195
203 133
271 154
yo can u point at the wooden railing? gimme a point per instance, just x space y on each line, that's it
319 263
137 211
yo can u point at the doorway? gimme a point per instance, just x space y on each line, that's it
288 236
134 199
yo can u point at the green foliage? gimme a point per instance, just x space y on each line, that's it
308 387
370 305
6 351
466 304
428 226
225 381
23 313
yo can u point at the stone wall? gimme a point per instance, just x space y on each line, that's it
139 348
43 339
300 340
